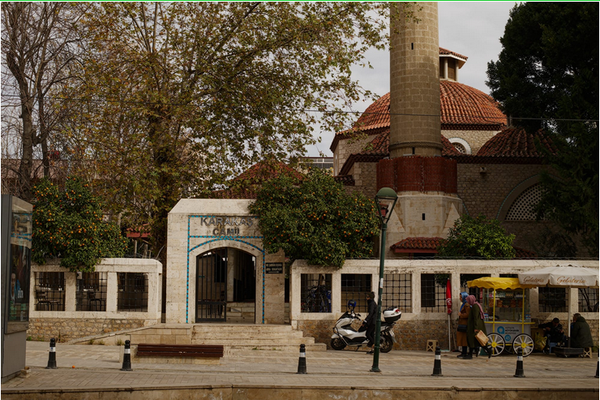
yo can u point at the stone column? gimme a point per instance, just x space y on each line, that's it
414 82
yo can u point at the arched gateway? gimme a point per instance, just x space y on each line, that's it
215 257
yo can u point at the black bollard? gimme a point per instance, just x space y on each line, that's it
519 373
52 355
437 364
302 360
127 357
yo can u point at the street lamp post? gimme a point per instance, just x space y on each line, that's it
386 200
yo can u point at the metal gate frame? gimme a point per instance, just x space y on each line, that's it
211 286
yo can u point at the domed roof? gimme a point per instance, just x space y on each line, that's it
460 105
516 142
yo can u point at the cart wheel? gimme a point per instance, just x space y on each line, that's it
525 342
497 343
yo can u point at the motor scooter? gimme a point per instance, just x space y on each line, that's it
345 335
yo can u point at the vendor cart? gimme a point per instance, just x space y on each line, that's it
506 309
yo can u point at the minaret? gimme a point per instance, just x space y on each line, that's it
414 82
425 181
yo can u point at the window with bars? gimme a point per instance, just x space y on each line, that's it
315 293
397 292
552 299
91 291
464 278
355 287
49 291
588 300
433 296
132 292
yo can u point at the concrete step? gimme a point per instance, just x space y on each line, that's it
258 341
235 338
246 332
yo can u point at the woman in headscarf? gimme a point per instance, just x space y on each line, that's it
463 318
475 324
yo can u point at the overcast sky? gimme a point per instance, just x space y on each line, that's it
472 29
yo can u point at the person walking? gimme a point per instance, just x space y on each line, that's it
474 325
370 321
463 320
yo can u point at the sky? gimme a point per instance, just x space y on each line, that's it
470 28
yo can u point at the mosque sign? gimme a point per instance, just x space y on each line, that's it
223 225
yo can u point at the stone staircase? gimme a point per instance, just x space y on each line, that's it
254 337
236 338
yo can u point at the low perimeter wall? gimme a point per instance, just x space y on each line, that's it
419 324
70 321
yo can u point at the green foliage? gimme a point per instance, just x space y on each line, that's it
174 99
477 237
67 224
315 219
547 77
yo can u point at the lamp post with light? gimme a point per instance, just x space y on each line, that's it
386 200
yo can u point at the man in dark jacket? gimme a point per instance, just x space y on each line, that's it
370 321
581 336
553 331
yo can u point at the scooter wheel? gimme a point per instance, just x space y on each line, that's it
337 344
386 344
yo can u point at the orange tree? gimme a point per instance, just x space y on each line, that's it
477 238
315 219
68 224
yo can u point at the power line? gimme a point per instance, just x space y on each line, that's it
491 118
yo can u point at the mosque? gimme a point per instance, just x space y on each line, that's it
444 147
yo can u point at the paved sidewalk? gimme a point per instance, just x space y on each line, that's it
97 367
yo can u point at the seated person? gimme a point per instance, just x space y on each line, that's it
581 336
553 331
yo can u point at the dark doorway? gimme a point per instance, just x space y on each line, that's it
223 275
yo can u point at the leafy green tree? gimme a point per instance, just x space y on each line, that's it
177 98
477 237
68 224
315 219
547 77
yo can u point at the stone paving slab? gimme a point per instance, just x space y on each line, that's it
98 368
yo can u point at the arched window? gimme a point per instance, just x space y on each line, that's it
461 145
523 208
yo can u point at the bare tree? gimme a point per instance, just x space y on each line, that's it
39 43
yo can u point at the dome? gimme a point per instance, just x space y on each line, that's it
460 106
516 142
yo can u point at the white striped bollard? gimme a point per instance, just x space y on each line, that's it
437 364
52 355
519 373
127 357
302 360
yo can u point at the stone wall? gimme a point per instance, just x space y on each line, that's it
64 330
410 335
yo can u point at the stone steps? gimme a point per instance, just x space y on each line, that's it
236 338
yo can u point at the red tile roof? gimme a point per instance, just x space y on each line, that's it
414 244
266 170
450 52
461 107
379 148
462 104
516 142
430 244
